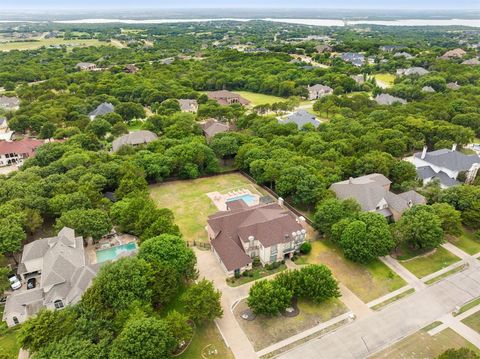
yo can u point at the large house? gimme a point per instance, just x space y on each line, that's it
386 100
86 66
318 91
188 105
472 62
212 127
265 231
445 165
9 103
453 54
301 118
226 98
354 58
15 152
134 139
62 275
101 109
418 71
391 48
372 192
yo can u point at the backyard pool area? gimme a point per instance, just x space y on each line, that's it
248 198
114 252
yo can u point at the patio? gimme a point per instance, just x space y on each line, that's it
220 200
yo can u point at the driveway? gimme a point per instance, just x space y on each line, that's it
404 317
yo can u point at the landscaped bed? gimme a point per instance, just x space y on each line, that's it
255 274
422 345
190 204
265 331
430 262
8 339
368 282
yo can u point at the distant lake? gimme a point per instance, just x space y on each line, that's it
315 22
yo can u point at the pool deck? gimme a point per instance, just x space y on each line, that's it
220 200
91 249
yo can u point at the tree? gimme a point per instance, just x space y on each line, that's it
316 282
333 210
202 301
86 222
143 338
99 127
460 353
165 282
420 227
47 326
367 238
170 249
178 324
70 347
306 248
4 282
450 218
121 283
130 110
269 298
11 237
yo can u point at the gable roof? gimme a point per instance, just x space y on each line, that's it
320 88
454 53
187 104
301 118
387 99
134 139
102 109
26 146
9 102
224 97
452 160
428 89
370 190
270 224
213 127
474 61
420 71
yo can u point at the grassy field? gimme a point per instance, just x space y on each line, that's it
467 306
386 78
368 282
189 202
473 321
31 45
264 331
466 242
430 263
8 339
422 345
259 99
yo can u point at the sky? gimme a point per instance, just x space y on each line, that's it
340 4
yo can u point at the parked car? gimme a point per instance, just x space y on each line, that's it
14 282
31 283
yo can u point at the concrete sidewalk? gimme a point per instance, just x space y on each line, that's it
404 273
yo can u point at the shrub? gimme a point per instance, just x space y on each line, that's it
306 248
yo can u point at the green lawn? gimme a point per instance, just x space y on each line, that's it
387 78
430 263
368 282
31 45
422 345
259 99
189 202
467 242
135 125
8 339
473 321
265 331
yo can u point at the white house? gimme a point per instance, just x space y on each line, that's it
445 165
62 275
318 91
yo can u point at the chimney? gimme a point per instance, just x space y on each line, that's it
280 201
350 180
424 152
454 147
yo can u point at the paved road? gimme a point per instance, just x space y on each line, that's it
370 334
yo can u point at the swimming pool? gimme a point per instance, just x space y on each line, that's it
112 253
249 199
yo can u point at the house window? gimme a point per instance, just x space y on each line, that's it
15 320
273 258
273 250
58 304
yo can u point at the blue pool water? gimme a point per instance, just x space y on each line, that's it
112 253
249 199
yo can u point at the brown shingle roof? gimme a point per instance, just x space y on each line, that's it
224 98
